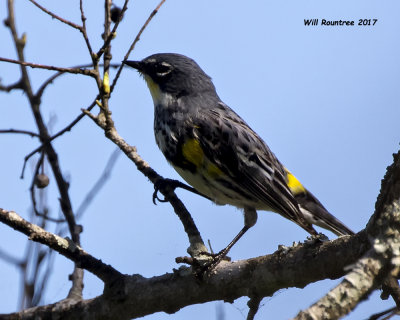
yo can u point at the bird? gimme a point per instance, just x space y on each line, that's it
216 152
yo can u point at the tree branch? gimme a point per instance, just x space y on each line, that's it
137 38
111 35
51 14
380 262
135 296
197 246
64 246
30 133
86 72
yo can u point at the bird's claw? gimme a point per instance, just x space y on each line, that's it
156 198
163 184
204 267
319 238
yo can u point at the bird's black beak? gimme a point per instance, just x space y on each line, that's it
138 65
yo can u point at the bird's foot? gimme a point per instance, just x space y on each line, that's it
164 184
204 263
319 238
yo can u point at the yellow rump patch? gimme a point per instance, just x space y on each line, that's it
294 185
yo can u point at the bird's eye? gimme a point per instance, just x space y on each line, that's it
162 69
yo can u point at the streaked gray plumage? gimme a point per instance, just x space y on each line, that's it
217 153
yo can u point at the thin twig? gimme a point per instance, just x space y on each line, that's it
61 132
105 85
17 85
197 246
32 187
55 76
52 156
84 33
86 72
10 259
137 38
63 246
19 45
71 24
82 28
30 133
389 312
42 281
113 31
99 183
391 287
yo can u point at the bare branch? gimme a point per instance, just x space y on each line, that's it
197 246
71 24
137 38
99 183
356 286
381 262
254 305
19 45
52 156
30 133
52 78
391 288
86 72
84 33
63 246
10 259
61 132
17 85
136 296
152 14
82 28
387 314
41 283
107 41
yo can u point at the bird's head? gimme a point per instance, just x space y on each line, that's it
172 74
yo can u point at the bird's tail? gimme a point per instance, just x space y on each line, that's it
314 212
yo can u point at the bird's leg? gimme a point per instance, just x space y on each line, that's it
250 219
162 184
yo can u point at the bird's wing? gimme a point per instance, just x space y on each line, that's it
241 154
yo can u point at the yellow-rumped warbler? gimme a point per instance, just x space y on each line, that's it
217 153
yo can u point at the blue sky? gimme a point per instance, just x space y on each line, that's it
325 99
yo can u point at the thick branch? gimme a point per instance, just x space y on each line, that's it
380 263
356 287
136 296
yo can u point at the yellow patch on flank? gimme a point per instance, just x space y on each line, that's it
214 171
193 153
294 185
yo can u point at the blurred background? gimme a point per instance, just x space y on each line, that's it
325 99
